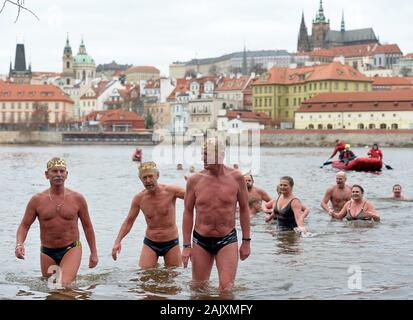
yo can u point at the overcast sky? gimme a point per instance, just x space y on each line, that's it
158 32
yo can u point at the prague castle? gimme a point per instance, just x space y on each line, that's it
323 37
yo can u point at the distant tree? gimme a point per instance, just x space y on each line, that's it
149 123
39 117
258 68
405 71
20 7
190 73
235 70
213 70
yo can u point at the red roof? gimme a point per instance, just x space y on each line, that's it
119 114
409 55
261 117
143 69
182 86
32 92
360 50
388 48
394 100
392 81
153 84
331 71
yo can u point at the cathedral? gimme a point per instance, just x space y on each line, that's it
323 38
79 68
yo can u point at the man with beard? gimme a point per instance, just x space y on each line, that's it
338 194
58 210
255 195
157 203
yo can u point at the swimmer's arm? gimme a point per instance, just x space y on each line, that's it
269 205
88 229
325 200
189 205
299 218
342 212
264 195
27 221
179 192
371 211
130 219
244 216
305 211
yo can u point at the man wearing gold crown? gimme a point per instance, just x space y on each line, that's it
58 210
214 193
157 203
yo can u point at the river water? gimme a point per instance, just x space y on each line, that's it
339 260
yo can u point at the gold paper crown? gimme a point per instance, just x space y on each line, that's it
56 162
149 165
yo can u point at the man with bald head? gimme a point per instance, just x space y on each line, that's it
157 202
58 210
338 194
214 193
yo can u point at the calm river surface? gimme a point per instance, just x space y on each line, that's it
325 265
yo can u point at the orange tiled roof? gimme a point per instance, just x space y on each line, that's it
182 86
388 48
393 81
32 92
331 71
153 84
409 55
120 115
394 100
143 69
262 117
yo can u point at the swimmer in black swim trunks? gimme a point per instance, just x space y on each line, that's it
157 203
214 193
58 210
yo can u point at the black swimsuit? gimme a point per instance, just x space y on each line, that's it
161 248
285 216
214 244
57 254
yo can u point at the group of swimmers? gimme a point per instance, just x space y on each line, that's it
208 236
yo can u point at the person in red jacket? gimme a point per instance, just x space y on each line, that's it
375 152
340 146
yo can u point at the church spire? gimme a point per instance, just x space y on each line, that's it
320 17
244 70
343 26
303 40
68 48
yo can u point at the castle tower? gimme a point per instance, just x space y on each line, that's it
320 28
303 44
68 74
20 74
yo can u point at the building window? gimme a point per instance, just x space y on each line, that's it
372 126
395 126
336 85
394 115
311 126
320 127
329 126
383 126
360 126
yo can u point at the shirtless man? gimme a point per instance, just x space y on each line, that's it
338 195
255 193
397 193
214 193
58 210
157 203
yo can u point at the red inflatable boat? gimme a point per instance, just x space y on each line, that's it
360 164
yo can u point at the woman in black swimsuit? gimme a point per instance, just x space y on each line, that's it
288 208
357 208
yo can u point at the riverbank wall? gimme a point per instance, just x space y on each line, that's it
274 138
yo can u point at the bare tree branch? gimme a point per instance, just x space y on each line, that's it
20 6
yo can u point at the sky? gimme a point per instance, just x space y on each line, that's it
159 32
